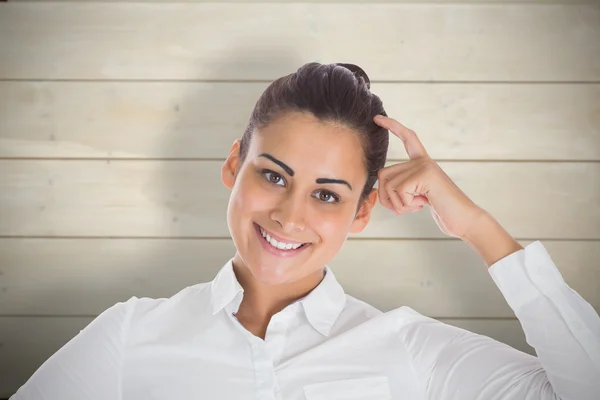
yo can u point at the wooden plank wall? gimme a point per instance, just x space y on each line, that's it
115 118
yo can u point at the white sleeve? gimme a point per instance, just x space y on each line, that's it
563 328
88 367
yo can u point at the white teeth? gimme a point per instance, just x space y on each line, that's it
276 244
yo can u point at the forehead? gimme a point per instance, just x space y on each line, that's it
311 146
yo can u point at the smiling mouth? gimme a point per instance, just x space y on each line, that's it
278 248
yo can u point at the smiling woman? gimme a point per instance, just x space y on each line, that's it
276 324
310 140
289 200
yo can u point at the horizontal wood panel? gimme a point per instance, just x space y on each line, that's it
442 279
188 199
201 120
423 42
25 343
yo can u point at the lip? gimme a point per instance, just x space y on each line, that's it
279 238
278 252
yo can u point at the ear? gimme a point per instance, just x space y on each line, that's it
364 213
231 165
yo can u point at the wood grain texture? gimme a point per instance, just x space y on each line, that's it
441 279
182 120
409 42
187 199
21 355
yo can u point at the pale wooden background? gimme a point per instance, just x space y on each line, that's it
116 117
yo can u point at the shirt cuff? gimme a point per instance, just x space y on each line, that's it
526 275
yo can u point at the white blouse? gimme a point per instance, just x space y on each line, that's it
329 346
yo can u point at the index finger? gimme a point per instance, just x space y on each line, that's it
412 144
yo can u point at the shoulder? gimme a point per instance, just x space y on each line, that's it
187 300
148 319
403 321
355 313
405 314
358 307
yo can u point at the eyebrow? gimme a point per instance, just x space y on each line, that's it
290 171
287 169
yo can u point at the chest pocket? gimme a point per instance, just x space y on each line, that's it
374 388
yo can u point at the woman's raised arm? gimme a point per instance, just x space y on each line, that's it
562 327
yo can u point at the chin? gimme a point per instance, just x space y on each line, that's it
270 275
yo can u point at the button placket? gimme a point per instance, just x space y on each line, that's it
266 386
275 337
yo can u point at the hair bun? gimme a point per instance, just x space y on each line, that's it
358 71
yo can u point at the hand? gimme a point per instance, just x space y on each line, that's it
408 186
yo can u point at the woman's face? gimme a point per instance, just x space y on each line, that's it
300 183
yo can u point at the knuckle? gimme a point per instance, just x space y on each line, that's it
387 186
382 186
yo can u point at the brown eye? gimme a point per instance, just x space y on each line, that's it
326 197
273 177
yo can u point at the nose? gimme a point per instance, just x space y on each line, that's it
290 214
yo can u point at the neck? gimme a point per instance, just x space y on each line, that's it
261 301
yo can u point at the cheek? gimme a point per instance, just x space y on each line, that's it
250 195
333 226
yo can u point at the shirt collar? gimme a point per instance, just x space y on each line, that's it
322 306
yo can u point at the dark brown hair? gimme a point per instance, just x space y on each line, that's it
338 93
